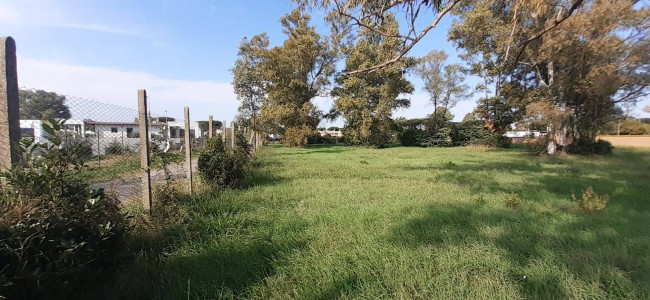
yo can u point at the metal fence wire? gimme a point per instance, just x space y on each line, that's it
109 136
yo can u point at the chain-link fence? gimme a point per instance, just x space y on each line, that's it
108 138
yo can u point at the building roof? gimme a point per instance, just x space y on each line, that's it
122 123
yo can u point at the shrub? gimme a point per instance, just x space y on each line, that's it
410 137
600 147
115 148
441 138
414 137
496 140
591 202
221 167
53 226
242 145
536 146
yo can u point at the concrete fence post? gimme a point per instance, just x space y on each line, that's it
210 128
232 135
144 149
9 110
188 150
223 131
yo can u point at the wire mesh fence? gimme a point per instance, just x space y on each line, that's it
108 139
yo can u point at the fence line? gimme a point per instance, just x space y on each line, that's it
117 144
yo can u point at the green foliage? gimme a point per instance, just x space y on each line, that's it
313 221
53 227
221 167
42 105
629 126
294 73
242 145
463 134
536 146
591 202
298 136
367 100
600 147
471 133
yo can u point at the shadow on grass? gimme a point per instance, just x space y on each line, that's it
592 248
607 251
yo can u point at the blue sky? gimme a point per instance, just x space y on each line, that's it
180 51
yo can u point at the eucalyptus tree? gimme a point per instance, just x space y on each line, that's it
367 100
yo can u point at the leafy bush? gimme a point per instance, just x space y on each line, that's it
591 202
410 137
441 138
242 145
415 137
536 146
53 226
600 147
470 133
221 167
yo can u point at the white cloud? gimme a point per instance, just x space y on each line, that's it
47 14
120 88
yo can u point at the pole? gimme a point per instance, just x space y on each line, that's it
9 103
223 131
232 135
99 150
188 150
144 149
210 129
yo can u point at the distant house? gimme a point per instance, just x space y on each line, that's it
520 136
99 135
332 133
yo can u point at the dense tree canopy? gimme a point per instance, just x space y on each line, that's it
295 73
248 81
367 100
583 68
41 105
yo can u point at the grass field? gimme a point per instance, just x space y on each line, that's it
438 223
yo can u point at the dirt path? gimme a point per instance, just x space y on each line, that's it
130 186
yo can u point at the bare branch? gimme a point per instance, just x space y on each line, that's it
409 46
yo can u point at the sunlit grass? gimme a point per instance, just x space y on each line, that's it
340 223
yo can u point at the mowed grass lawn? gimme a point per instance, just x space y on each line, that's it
334 222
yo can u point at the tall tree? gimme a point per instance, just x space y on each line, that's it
369 15
295 73
40 105
586 66
367 100
444 83
248 81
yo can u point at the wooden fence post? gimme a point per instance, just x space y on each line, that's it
188 150
210 128
9 110
144 149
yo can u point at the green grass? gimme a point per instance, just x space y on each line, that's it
439 223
